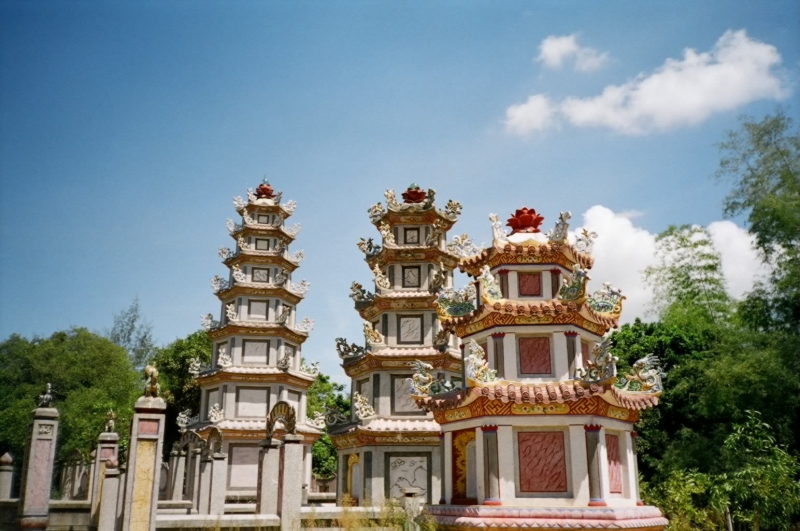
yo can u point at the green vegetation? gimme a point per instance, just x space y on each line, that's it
725 440
322 395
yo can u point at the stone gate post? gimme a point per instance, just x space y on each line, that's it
291 489
107 448
37 470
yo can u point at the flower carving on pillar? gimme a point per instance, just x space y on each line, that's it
386 232
243 245
215 414
525 220
238 274
498 232
380 279
561 231
362 406
285 362
230 311
476 366
463 247
584 241
376 212
224 359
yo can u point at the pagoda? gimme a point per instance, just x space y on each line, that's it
388 444
541 435
257 341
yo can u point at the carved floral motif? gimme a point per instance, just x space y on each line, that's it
362 406
476 366
381 281
584 241
490 289
386 232
372 336
215 414
224 359
230 311
561 231
376 212
238 274
525 220
463 247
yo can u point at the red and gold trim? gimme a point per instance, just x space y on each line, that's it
244 330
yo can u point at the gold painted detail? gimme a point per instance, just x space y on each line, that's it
457 414
539 409
460 442
618 413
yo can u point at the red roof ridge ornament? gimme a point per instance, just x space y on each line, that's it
414 194
524 220
265 191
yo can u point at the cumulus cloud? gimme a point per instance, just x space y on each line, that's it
536 114
622 251
681 92
554 51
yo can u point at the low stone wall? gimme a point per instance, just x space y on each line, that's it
69 515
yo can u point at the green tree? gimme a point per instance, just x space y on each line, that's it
178 386
134 334
325 394
90 375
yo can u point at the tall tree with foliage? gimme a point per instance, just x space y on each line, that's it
134 334
90 375
178 386
325 394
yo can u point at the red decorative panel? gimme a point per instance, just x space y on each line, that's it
534 355
542 461
530 284
148 427
614 466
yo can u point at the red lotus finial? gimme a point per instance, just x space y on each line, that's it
414 194
525 220
264 190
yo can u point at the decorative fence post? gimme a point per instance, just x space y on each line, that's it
37 470
291 482
144 458
269 465
411 508
109 492
107 449
219 472
6 476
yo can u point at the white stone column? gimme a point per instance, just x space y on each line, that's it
269 463
510 356
307 465
560 356
291 482
492 466
178 470
594 461
144 462
193 476
507 464
219 476
480 466
448 467
547 284
204 485
37 470
107 512
579 465
633 438
513 285
6 476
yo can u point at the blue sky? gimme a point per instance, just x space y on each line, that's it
126 128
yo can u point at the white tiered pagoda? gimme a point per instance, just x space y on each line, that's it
257 342
541 436
388 444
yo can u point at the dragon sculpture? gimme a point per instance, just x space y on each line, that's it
424 383
645 376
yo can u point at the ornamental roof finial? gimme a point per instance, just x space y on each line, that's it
264 190
414 194
525 220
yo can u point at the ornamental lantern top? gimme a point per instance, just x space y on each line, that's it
264 190
414 194
525 220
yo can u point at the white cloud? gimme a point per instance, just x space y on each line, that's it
536 114
622 251
555 51
681 92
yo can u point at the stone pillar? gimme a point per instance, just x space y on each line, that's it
291 489
491 466
108 495
178 468
204 484
595 469
193 475
37 470
121 495
442 498
107 448
447 457
144 465
572 348
635 449
269 466
411 507
555 285
219 477
6 476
